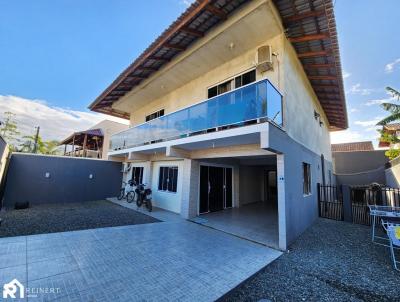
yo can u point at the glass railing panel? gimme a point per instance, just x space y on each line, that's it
274 104
249 103
198 117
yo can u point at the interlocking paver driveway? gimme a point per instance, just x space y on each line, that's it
166 261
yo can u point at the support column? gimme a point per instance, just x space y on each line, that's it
84 145
280 169
73 146
190 188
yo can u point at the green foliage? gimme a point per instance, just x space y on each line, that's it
392 153
394 109
43 147
9 129
388 138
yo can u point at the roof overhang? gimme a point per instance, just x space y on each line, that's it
76 137
310 27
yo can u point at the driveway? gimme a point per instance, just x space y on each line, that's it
165 261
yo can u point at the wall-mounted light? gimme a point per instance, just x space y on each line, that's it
321 123
90 176
316 115
47 174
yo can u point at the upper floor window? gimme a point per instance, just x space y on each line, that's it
219 89
154 115
236 82
246 78
306 179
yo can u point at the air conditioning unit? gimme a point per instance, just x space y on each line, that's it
264 58
126 167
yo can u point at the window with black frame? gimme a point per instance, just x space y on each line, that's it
137 174
306 179
168 179
155 115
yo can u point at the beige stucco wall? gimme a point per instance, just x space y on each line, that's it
287 75
109 128
300 102
196 91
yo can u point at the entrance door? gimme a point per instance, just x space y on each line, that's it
271 190
215 188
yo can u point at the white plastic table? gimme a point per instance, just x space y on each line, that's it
382 213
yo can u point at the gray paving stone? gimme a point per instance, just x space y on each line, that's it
174 261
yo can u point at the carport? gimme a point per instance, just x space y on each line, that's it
239 196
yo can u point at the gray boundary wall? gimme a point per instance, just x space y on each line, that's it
360 167
392 174
68 179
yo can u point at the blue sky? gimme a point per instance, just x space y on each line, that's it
58 56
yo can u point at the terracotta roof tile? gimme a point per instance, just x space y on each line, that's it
351 147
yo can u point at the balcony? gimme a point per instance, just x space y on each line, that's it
250 104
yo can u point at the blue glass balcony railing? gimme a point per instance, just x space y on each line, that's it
239 107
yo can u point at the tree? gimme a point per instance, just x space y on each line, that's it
394 109
43 147
9 129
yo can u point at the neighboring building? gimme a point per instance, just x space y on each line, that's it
231 107
93 142
353 147
391 129
358 163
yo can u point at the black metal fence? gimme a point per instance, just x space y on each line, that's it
331 201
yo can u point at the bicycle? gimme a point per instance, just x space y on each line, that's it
128 191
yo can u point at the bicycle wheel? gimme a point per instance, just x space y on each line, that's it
130 196
149 205
121 194
139 202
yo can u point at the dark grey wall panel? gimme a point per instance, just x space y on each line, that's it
68 182
3 145
360 161
301 210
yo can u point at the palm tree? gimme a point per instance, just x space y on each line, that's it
394 109
43 147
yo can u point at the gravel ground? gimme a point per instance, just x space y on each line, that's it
51 218
332 261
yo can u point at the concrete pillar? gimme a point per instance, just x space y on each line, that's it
147 173
280 170
190 188
347 208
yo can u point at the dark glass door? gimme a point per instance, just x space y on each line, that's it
204 189
228 187
216 190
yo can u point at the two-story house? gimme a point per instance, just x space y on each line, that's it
230 110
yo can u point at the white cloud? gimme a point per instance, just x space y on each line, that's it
389 68
356 89
345 136
346 74
352 110
378 101
369 123
187 2
348 136
55 122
